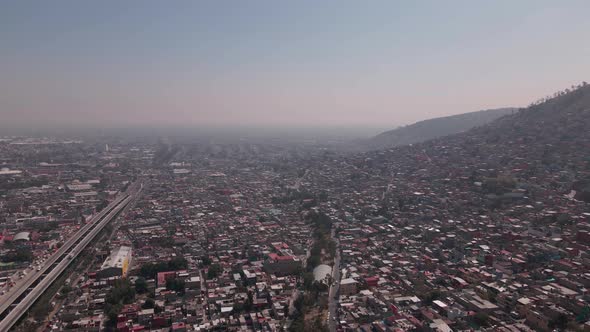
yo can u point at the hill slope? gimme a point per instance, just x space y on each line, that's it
516 190
437 127
542 151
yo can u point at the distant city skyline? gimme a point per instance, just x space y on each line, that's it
345 64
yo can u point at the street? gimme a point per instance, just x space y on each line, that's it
333 293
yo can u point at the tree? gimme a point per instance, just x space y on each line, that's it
319 287
176 285
122 293
585 313
318 325
150 270
66 289
149 304
431 296
21 254
112 311
206 261
249 304
238 308
41 310
103 203
141 285
214 271
178 263
298 325
559 322
313 261
308 280
481 319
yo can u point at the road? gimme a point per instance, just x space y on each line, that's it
22 296
80 274
333 293
297 184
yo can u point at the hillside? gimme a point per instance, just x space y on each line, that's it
433 128
554 136
542 152
503 204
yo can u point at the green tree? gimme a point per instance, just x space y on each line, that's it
481 319
319 326
141 285
148 304
298 324
205 260
112 311
66 289
176 285
238 308
431 296
41 310
19 255
150 270
584 315
178 263
559 322
249 304
214 271
122 293
308 280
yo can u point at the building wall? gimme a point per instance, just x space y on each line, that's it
348 289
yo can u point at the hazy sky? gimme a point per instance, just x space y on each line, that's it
285 63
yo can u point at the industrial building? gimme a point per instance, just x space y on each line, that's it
117 264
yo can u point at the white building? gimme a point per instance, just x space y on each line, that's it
117 264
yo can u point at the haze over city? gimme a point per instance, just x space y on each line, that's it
349 64
294 166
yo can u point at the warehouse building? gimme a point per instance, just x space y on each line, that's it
117 264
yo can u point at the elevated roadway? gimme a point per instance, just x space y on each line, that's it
19 299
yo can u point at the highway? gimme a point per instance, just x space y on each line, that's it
16 302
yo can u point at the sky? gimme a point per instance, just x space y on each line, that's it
280 64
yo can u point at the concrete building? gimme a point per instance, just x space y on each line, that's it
281 265
348 286
116 264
